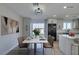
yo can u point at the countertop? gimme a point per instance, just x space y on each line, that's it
74 38
66 33
70 37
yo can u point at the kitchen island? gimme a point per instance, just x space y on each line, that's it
66 43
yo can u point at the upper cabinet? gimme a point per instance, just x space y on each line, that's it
52 21
60 24
75 24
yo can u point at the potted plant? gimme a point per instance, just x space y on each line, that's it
36 32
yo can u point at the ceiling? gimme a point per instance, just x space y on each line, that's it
50 10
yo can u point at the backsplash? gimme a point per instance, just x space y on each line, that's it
75 30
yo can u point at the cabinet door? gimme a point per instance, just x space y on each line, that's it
75 23
75 50
62 44
59 24
52 21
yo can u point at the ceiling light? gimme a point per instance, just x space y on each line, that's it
37 9
69 7
65 7
67 16
54 15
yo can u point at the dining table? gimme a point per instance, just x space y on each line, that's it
36 41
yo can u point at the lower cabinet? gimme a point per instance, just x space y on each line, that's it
65 45
75 49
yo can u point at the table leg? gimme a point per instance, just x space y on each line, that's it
34 48
43 50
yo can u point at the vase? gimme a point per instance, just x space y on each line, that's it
36 36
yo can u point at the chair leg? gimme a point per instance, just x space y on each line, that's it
28 50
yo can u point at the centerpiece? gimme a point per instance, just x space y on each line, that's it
36 32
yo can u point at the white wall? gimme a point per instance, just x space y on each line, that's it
26 26
8 42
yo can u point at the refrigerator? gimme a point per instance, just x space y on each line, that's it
52 30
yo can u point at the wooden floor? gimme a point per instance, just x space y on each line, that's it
56 49
47 51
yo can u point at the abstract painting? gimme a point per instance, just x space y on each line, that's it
9 26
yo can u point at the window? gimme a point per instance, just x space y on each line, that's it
40 26
67 25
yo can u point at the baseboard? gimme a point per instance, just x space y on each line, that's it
9 50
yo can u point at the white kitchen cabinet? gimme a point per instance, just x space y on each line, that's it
59 24
75 48
52 21
75 24
65 45
62 44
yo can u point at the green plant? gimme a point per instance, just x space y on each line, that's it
36 31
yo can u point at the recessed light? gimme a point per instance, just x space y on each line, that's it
69 7
65 7
66 15
54 15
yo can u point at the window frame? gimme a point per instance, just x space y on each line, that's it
39 27
66 28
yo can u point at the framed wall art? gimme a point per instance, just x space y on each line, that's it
9 26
